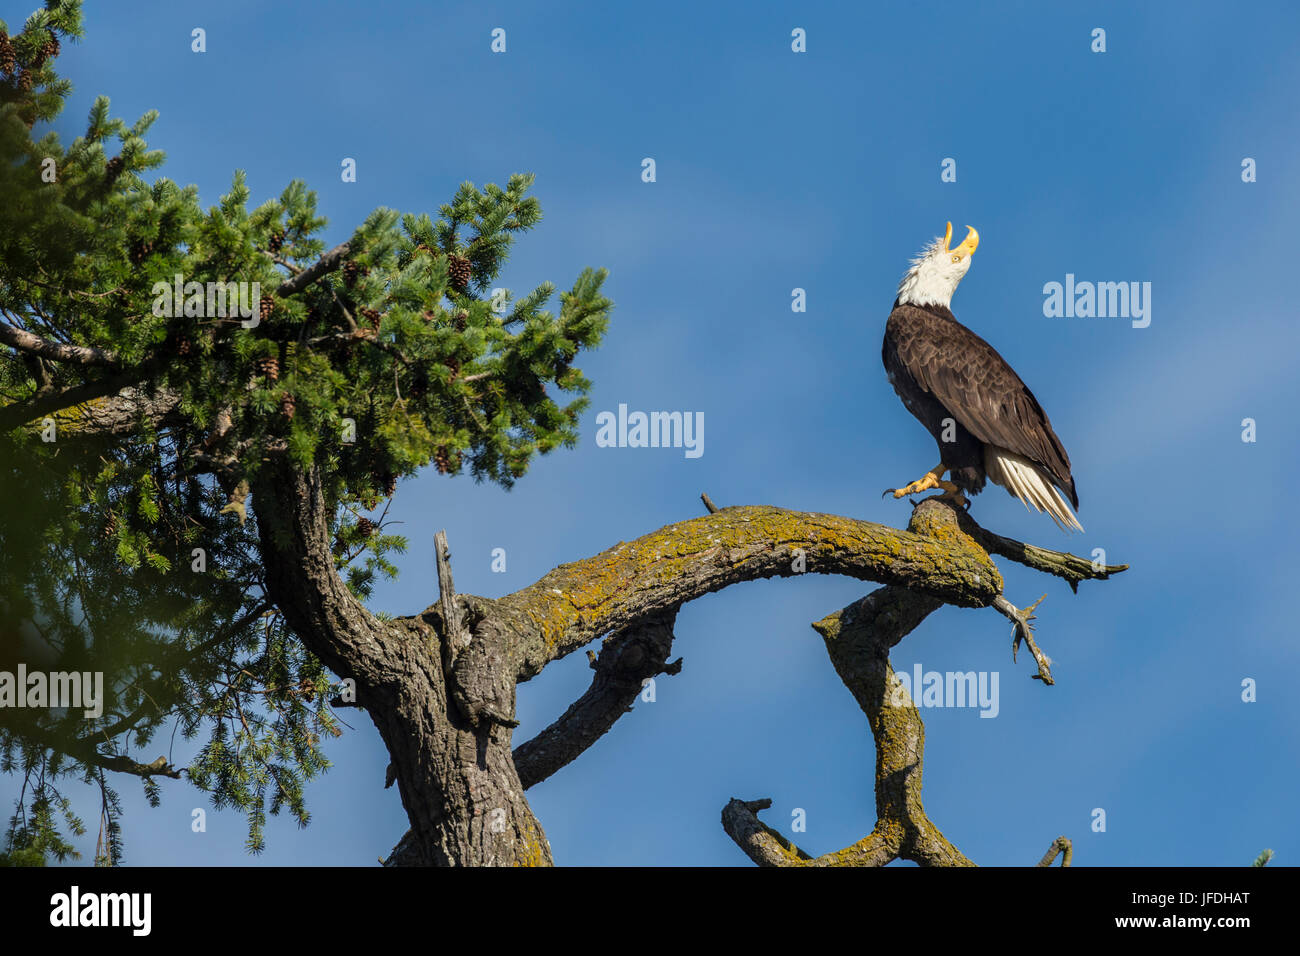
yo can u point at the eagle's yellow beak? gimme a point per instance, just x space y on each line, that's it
967 246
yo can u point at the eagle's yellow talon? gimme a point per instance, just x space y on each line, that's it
927 481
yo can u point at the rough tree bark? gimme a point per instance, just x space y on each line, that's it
442 693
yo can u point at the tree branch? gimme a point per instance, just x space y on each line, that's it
615 589
54 351
858 640
1068 566
326 263
1062 846
46 403
626 661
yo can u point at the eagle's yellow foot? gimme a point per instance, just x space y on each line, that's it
931 479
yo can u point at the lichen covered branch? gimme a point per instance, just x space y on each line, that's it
615 589
1059 563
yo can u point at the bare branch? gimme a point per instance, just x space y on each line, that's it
455 632
1062 846
325 264
55 351
1024 632
626 661
1068 566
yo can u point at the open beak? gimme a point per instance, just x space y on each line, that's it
968 244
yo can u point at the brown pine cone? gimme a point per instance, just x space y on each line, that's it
365 527
140 250
269 366
267 307
275 242
461 316
50 49
350 272
446 460
8 59
184 346
26 81
372 315
112 169
459 272
389 482
454 365
288 406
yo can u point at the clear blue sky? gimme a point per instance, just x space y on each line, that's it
822 171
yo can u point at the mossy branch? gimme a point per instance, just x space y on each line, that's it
1068 566
576 603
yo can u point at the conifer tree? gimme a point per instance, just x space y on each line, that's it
145 434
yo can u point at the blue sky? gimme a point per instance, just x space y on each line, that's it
822 171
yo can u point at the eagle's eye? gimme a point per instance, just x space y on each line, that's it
956 258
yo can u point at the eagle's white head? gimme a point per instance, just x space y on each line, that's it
936 271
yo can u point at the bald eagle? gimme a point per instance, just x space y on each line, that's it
985 419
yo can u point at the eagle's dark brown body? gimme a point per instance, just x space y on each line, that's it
942 370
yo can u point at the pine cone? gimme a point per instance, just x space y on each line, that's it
269 366
275 242
267 307
287 406
26 81
112 169
365 527
350 272
446 460
460 320
454 365
8 59
110 529
389 482
372 315
459 272
140 250
184 346
50 49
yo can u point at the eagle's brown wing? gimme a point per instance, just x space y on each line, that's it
979 388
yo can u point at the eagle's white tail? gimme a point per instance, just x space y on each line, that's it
1029 483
